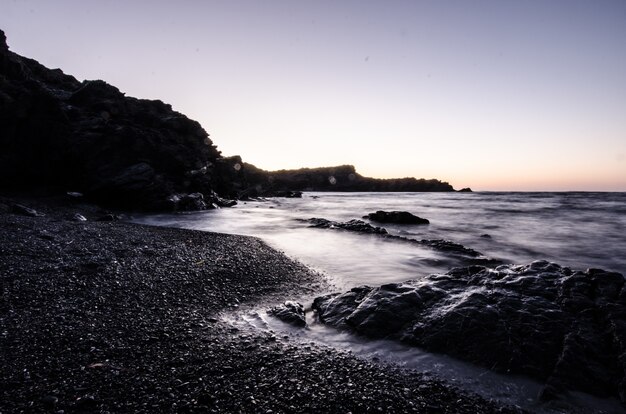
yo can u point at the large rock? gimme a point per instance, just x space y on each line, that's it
396 217
358 226
562 327
58 132
290 312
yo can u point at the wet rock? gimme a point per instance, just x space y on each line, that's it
396 217
290 312
485 236
187 202
468 255
565 328
74 195
465 190
358 226
450 247
218 201
25 211
77 217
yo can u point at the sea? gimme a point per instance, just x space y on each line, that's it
579 230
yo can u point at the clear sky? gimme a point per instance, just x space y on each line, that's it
495 95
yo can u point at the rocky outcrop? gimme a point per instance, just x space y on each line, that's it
396 217
465 254
352 225
290 312
559 326
340 178
88 136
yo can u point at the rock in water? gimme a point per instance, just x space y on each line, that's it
397 217
565 328
358 226
468 255
290 312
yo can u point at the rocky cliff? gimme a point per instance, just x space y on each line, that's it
88 136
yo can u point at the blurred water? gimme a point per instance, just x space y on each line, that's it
579 230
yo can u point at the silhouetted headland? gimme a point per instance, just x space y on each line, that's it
88 137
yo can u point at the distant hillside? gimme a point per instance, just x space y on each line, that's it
340 178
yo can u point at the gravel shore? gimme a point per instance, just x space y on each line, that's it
108 316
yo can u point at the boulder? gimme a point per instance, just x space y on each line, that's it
565 328
352 225
396 217
290 312
465 190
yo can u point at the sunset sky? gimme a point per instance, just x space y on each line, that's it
494 95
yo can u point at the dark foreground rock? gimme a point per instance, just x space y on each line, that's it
122 318
542 320
396 217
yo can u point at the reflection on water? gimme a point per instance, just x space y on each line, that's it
578 230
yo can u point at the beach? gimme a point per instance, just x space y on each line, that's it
109 316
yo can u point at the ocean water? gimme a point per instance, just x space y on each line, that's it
580 230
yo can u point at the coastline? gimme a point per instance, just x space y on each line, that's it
120 317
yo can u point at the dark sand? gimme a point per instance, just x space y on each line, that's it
117 317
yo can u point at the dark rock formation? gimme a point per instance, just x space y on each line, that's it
352 225
396 217
290 312
58 132
465 190
542 320
468 255
341 178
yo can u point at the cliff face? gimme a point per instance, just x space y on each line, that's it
340 178
87 136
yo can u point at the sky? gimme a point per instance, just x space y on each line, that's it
493 95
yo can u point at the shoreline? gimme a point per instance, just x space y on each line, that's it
122 317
